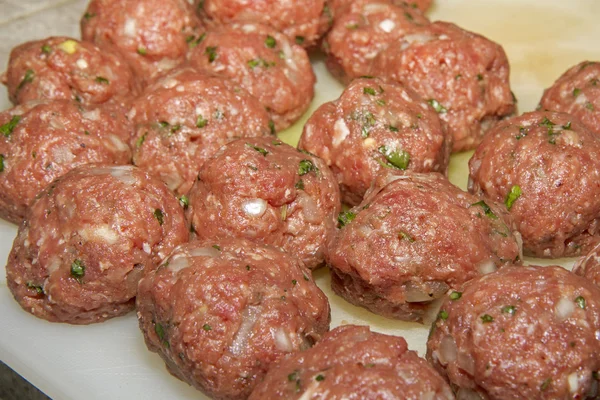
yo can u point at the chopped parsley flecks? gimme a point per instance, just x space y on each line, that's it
398 159
158 214
345 217
486 318
184 201
509 310
27 78
406 236
102 80
201 122
270 42
259 149
306 166
512 196
486 209
437 106
443 315
77 270
580 301
211 53
455 295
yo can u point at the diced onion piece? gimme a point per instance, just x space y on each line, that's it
130 27
487 267
249 317
427 291
282 340
205 252
387 25
564 309
448 352
255 207
124 174
466 363
68 46
177 264
310 209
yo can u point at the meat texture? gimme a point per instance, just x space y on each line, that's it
300 21
577 92
41 141
338 6
520 333
544 166
588 266
412 238
376 125
464 76
152 35
184 118
350 362
68 69
264 190
265 63
88 239
220 313
361 30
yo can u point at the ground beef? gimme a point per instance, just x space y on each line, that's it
362 30
589 266
153 35
221 312
300 21
520 333
265 190
185 117
350 362
337 6
464 76
376 125
41 141
88 239
544 166
65 68
577 92
265 63
412 238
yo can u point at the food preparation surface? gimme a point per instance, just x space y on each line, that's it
542 39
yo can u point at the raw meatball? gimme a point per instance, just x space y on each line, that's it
265 63
520 333
298 20
350 362
152 35
412 238
265 190
464 76
42 141
589 266
65 68
337 6
374 125
88 239
185 117
220 313
362 31
544 166
577 92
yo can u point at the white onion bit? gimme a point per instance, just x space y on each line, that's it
564 309
205 252
487 267
282 340
255 207
448 351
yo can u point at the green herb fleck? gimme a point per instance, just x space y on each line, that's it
141 140
455 295
2 162
486 318
184 201
397 159
193 42
102 80
158 214
443 315
216 246
77 270
546 384
201 122
272 127
380 102
247 268
512 196
206 327
142 51
294 282
88 15
32 286
392 128
576 92
437 106
589 106
352 26
509 310
211 52
46 49
306 166
408 16
305 277
580 301
299 185
270 42
486 209
345 217
320 378
160 331
369 122
479 77
370 91
252 167
27 78
405 236
299 39
259 149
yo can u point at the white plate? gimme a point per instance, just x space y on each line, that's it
109 361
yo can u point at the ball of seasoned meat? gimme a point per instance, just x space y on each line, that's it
351 362
185 117
265 63
376 125
577 92
42 141
65 68
464 76
520 333
265 190
588 266
338 6
545 167
153 35
88 239
221 312
300 21
412 238
362 30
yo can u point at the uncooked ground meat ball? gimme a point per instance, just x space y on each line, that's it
220 313
350 362
520 333
412 238
265 63
376 125
301 21
265 190
464 76
185 117
577 92
338 6
65 68
88 239
589 266
153 35
362 30
545 167
42 141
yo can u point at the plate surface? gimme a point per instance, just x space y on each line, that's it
110 361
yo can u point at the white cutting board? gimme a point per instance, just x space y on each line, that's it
109 361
